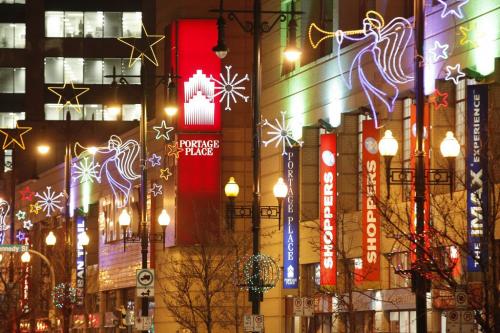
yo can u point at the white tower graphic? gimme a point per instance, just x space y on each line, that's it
199 107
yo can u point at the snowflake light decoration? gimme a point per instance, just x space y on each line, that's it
155 160
156 189
49 200
27 225
229 88
86 170
21 215
281 134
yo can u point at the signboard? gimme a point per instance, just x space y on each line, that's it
143 323
460 322
328 209
291 219
476 180
253 323
303 306
14 248
370 192
80 260
145 283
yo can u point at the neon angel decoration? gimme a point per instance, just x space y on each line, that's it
384 46
4 211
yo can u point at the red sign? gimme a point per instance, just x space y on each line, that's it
198 186
328 209
194 62
370 193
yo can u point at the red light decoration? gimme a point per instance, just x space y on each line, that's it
439 99
26 194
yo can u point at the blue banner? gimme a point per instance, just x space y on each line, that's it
476 180
291 219
80 259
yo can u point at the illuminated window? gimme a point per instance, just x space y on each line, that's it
92 71
54 112
132 24
12 35
131 112
73 24
12 80
93 24
112 25
403 321
9 119
54 24
73 70
7 160
400 261
97 112
12 1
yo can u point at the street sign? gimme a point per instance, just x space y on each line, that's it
298 306
253 323
145 283
460 322
308 306
303 307
14 248
143 323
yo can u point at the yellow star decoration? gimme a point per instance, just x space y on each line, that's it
35 208
174 150
165 173
69 95
142 46
464 36
10 136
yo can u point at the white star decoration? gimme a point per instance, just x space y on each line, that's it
452 11
162 131
27 225
86 170
454 73
157 189
49 200
281 133
439 51
228 88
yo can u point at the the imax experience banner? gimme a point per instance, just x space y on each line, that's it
370 193
291 219
80 260
476 182
328 209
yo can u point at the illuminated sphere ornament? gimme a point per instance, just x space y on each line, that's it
258 273
232 188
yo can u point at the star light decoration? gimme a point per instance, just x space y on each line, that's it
21 235
69 96
156 189
453 11
142 47
86 170
27 225
229 88
174 149
162 131
35 208
165 173
21 215
281 133
14 136
155 160
439 51
454 73
439 99
49 200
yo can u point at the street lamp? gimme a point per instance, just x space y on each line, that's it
84 241
25 257
43 149
164 221
124 221
171 107
50 240
292 53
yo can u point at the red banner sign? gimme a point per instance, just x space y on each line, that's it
328 209
370 193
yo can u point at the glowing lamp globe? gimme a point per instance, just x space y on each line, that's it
280 189
124 218
170 110
164 218
1 257
292 53
388 145
450 146
43 149
232 188
25 257
50 240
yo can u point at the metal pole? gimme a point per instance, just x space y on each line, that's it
13 229
256 294
67 221
419 280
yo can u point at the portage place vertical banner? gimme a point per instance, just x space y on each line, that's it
198 196
80 260
476 180
370 193
328 209
291 219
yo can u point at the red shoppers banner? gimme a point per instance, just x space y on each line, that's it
328 209
370 193
198 186
194 63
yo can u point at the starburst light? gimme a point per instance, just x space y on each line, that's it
229 87
86 170
281 133
49 200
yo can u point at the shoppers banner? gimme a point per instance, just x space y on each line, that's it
477 175
291 219
80 260
194 62
328 209
198 186
370 194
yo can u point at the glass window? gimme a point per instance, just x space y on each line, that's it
6 80
134 70
92 112
7 160
6 35
13 1
54 70
112 24
93 23
131 112
55 112
9 119
132 24
109 63
19 80
109 114
54 24
92 71
20 35
73 70
73 24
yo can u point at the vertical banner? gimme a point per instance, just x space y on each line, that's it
476 180
291 219
328 209
80 260
370 193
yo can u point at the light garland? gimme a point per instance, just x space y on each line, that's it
281 134
454 73
265 278
69 96
142 47
14 136
49 200
451 11
26 194
229 87
155 160
162 131
64 296
4 211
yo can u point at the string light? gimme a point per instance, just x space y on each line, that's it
229 87
261 280
281 134
27 225
64 296
454 73
439 99
86 170
452 11
35 208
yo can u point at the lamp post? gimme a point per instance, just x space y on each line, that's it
124 221
257 27
84 240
